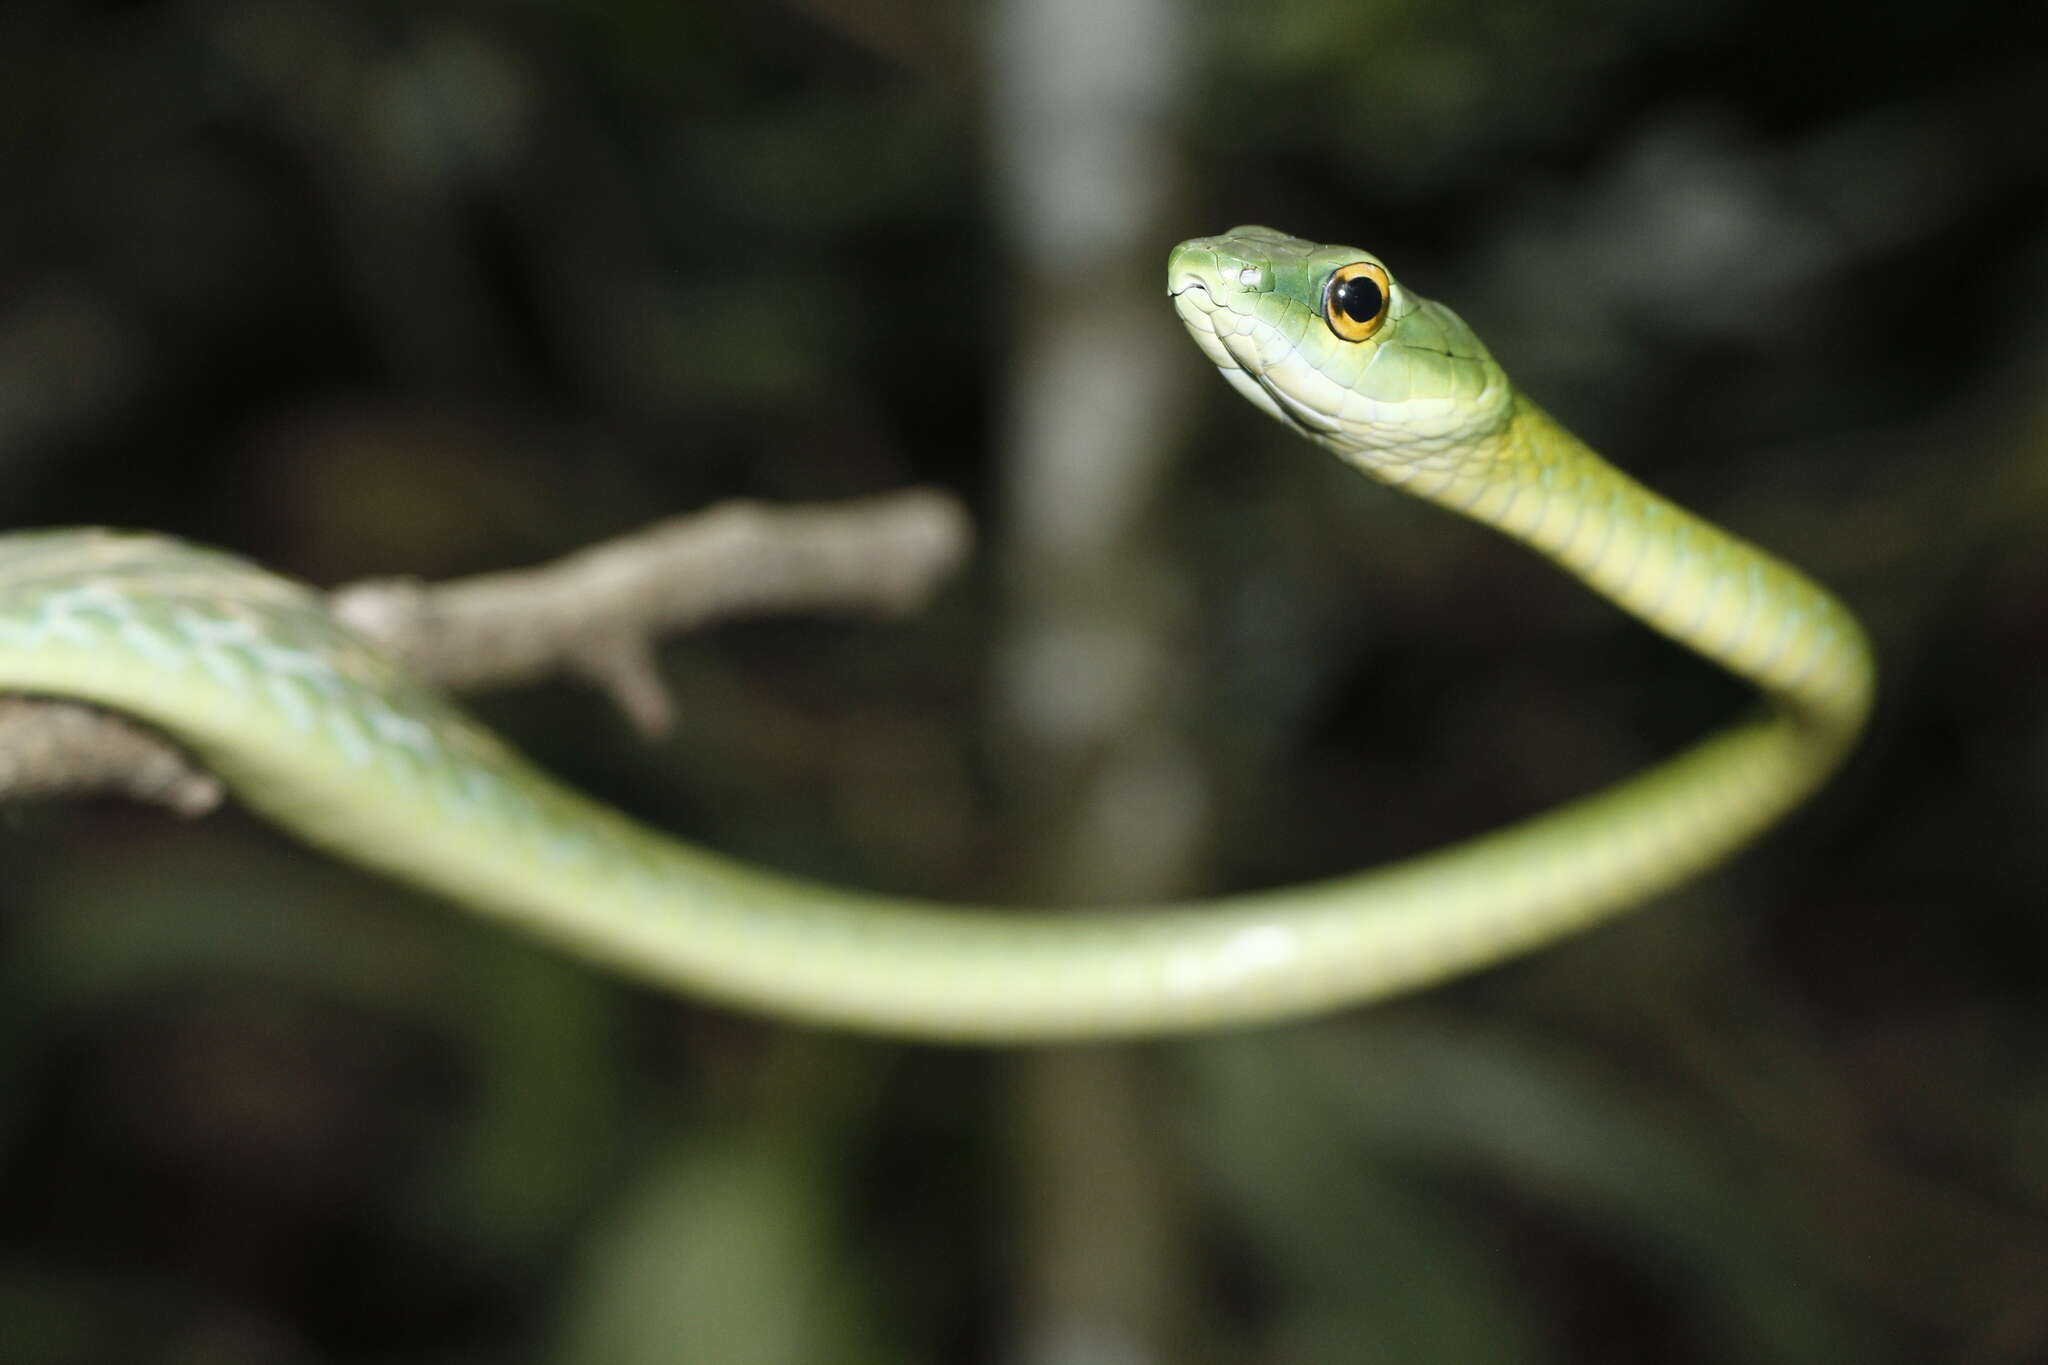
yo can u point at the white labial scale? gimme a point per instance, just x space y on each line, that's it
1357 412
1253 393
1308 389
1211 345
1299 414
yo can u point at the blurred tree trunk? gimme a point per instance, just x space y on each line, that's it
1093 687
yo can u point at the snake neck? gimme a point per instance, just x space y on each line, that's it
1711 591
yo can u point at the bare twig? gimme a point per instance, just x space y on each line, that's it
61 748
595 613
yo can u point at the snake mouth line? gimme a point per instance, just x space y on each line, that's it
1289 409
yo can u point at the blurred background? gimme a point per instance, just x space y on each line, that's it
451 285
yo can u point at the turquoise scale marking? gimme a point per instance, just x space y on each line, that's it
348 737
290 702
154 646
224 667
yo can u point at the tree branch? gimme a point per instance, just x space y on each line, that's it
596 613
62 748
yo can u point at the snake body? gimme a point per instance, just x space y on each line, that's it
331 738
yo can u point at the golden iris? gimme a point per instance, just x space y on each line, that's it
1355 300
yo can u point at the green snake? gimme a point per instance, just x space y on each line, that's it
333 739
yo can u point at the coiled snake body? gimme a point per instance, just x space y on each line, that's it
332 739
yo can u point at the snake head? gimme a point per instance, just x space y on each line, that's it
1324 339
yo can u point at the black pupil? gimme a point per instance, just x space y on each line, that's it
1358 298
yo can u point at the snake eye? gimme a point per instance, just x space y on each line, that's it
1355 300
